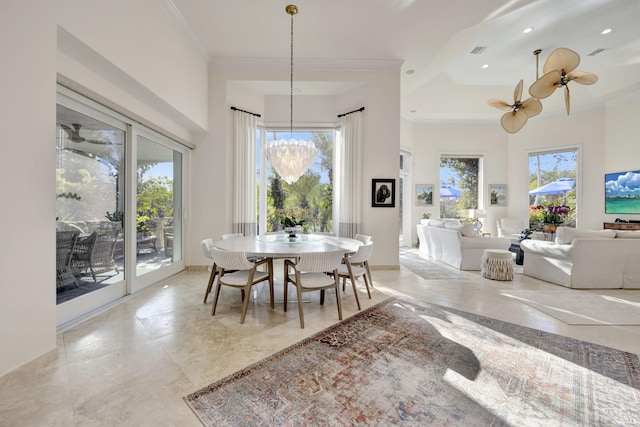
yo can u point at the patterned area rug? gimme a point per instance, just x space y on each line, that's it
581 307
413 363
426 269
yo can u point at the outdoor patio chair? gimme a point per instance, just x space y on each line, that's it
65 245
95 253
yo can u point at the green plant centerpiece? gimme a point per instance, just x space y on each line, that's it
292 220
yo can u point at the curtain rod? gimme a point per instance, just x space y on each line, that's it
354 111
248 112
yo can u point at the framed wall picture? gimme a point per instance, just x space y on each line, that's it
383 193
424 194
497 195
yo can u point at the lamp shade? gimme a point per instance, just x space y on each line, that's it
290 158
479 213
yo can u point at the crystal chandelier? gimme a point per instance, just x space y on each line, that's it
291 158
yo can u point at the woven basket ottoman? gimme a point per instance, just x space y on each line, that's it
497 264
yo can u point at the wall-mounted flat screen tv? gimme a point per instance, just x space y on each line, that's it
622 193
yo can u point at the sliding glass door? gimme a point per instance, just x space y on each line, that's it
90 170
158 205
119 189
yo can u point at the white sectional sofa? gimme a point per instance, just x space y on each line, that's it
455 244
586 259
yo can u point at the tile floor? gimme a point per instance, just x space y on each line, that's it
133 364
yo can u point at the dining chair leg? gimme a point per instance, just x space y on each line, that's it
366 266
355 292
299 293
338 299
271 288
212 278
365 277
286 284
245 303
216 294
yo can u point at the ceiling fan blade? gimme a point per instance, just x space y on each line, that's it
531 107
567 98
582 77
561 59
513 122
96 141
500 104
545 85
517 93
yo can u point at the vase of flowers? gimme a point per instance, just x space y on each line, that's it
552 216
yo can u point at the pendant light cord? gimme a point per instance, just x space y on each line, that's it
291 86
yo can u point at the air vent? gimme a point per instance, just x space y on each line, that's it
596 52
478 50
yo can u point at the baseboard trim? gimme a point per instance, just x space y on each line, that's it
35 364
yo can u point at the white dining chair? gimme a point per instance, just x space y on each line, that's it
230 236
207 249
314 271
354 266
363 238
238 272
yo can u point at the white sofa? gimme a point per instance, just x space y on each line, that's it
511 228
455 244
586 259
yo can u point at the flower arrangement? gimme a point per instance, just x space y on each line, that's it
292 217
552 214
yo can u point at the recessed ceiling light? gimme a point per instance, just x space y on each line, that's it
485 66
410 71
527 30
606 31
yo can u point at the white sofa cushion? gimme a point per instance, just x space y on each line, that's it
466 230
512 225
628 234
435 223
548 249
565 235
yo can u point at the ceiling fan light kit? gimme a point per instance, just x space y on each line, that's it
559 69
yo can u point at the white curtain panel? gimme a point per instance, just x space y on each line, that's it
244 187
351 175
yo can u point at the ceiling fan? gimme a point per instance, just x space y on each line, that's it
518 112
74 135
559 69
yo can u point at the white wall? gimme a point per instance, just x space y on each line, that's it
131 54
141 40
379 92
605 137
27 117
585 130
430 141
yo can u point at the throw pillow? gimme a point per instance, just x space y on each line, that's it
452 225
435 223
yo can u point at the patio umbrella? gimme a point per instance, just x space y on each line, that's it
559 186
449 191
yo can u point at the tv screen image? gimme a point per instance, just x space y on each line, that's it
622 192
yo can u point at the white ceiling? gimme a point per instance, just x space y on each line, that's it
434 38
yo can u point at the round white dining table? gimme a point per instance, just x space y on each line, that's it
282 246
